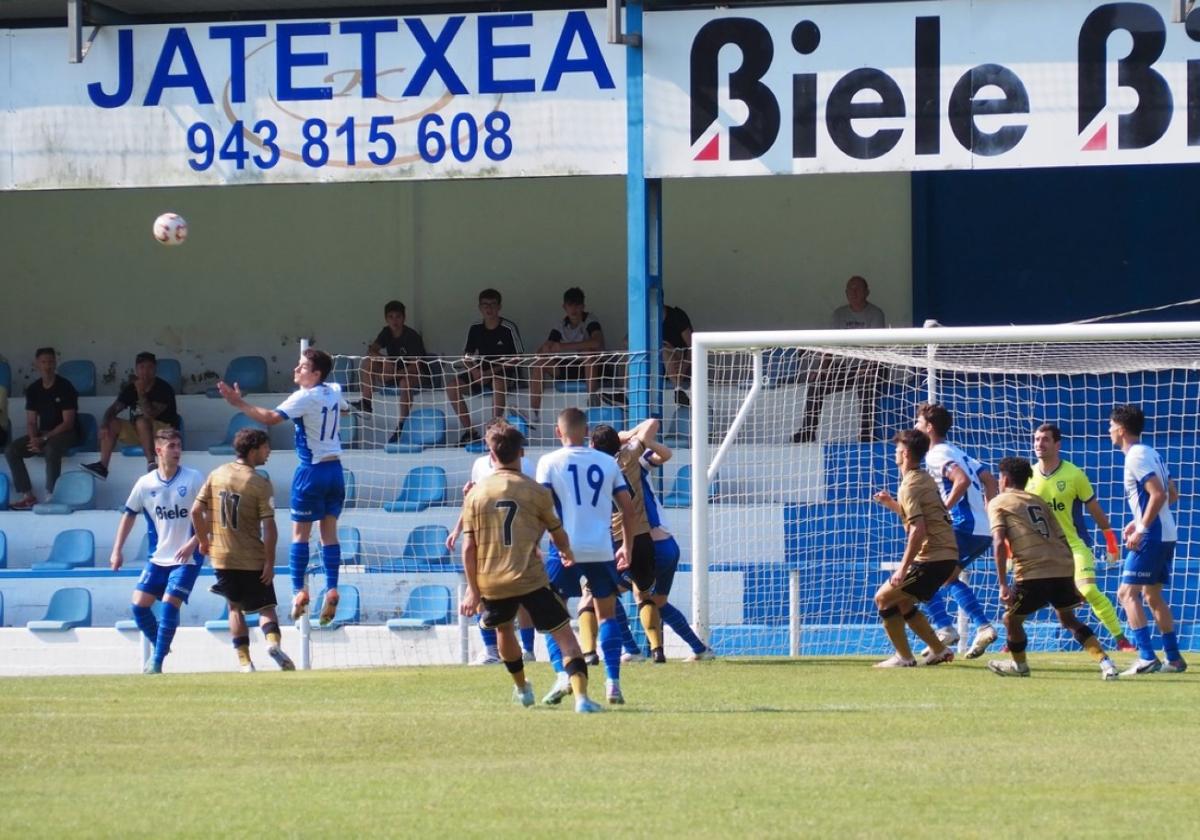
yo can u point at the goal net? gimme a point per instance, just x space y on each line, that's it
791 430
407 460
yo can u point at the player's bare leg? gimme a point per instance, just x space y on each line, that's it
144 427
576 669
269 622
510 654
241 639
1084 635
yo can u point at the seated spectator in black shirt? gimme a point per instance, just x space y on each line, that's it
151 404
51 405
578 333
393 362
677 351
490 337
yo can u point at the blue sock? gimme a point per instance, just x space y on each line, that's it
627 641
298 564
331 559
555 655
964 596
676 620
166 631
144 618
1141 638
488 635
527 636
935 608
1171 647
610 643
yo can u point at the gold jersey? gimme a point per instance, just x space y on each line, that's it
506 514
239 500
1036 541
919 498
629 460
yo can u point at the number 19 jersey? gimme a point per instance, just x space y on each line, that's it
583 482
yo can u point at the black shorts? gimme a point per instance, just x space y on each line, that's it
244 590
641 562
545 609
924 579
1029 596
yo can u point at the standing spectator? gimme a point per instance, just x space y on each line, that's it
151 405
834 374
51 405
489 338
579 332
677 348
392 362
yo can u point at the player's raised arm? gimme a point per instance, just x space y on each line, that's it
888 501
233 396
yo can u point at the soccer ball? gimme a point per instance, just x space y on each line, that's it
170 229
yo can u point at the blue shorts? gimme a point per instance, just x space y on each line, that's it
666 561
970 546
602 578
318 490
176 581
1150 565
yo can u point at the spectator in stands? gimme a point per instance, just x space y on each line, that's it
489 338
832 375
51 406
394 361
578 333
151 405
677 349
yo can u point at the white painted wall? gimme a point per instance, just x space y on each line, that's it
268 264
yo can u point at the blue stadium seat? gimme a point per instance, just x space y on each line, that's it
678 433
74 490
344 373
6 376
424 428
570 386
221 623
782 366
4 491
351 488
89 434
129 624
73 548
480 446
248 372
69 608
82 374
237 422
3 551
609 414
680 494
134 450
347 608
1 609
427 605
349 541
170 371
426 544
423 487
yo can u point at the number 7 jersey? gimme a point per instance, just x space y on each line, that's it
583 482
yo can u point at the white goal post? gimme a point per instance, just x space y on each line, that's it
750 538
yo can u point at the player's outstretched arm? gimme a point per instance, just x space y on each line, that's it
233 396
123 528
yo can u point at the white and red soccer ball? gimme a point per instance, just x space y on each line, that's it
170 229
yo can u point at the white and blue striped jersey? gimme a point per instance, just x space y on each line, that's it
1141 463
583 481
483 467
315 411
166 506
969 515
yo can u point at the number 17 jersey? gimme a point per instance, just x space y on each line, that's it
583 482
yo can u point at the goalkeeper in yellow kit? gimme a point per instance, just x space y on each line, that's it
1066 489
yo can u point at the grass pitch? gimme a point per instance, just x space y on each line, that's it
819 747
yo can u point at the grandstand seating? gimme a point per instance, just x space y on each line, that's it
424 428
349 541
4 491
347 609
73 548
426 606
89 434
610 414
680 494
126 624
480 446
3 550
426 544
82 374
351 489
134 450
678 431
74 490
237 422
423 487
221 623
248 372
782 366
170 371
70 607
